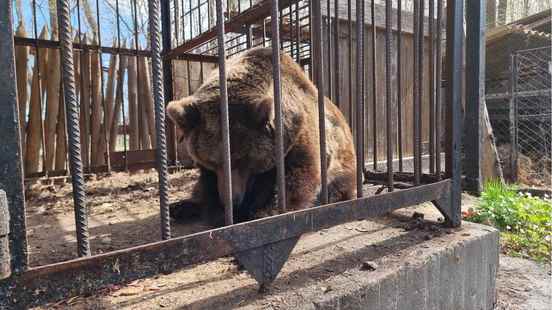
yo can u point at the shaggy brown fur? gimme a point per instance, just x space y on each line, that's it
252 139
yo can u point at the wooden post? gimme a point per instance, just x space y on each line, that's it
34 131
52 104
109 98
133 104
114 132
96 108
146 99
22 72
61 137
85 105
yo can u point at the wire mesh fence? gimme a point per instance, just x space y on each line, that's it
520 110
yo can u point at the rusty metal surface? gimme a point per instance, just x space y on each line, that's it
11 170
56 281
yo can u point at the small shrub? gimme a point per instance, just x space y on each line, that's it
525 222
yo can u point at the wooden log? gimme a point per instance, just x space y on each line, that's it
22 71
34 127
119 98
148 100
108 100
61 138
133 104
97 159
52 105
85 105
143 95
491 168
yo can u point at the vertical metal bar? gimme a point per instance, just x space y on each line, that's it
329 46
455 23
176 12
388 93
199 15
172 148
40 92
350 55
360 94
318 58
415 88
280 169
431 87
160 123
438 74
70 99
337 98
102 83
475 92
11 162
228 210
399 84
421 38
298 32
374 88
513 118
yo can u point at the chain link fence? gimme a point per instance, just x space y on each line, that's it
522 122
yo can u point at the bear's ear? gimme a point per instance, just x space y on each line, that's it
184 113
263 111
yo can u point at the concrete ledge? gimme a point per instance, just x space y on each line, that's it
418 265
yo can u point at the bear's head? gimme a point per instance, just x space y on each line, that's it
252 137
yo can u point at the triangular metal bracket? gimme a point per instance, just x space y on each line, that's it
444 204
264 263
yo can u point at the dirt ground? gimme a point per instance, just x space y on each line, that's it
123 212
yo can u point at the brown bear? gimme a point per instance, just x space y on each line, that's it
252 140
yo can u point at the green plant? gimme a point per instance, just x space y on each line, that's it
525 222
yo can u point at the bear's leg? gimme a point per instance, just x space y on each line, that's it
204 202
342 188
302 178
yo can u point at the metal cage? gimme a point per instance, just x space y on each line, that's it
327 40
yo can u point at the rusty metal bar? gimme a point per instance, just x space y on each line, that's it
512 116
280 168
71 108
421 38
431 86
388 93
11 163
164 256
438 77
350 56
228 207
399 85
160 123
475 93
360 96
415 89
329 46
319 62
374 86
455 29
337 98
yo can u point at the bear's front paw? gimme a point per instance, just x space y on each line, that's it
184 210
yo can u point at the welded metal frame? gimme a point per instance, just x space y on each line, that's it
261 245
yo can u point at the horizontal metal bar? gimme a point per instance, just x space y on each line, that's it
405 177
109 50
50 282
